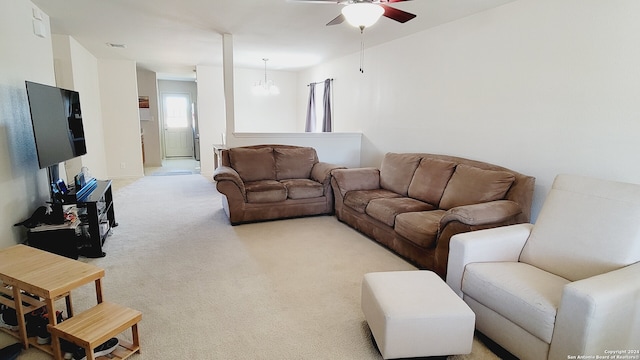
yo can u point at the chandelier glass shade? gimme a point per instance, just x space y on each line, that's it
362 14
265 87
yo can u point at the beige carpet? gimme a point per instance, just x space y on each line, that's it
285 289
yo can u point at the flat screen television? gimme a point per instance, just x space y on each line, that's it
57 123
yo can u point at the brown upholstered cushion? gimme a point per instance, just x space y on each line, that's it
356 179
294 163
359 199
385 210
397 170
430 179
253 164
421 228
303 188
265 191
471 185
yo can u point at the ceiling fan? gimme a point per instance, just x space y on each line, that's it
364 13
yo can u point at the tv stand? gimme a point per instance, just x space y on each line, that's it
95 210
97 218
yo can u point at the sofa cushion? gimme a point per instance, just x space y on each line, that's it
526 295
471 185
356 179
397 170
265 191
430 179
253 164
421 227
359 199
385 210
303 188
294 163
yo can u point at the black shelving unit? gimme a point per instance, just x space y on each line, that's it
97 217
95 211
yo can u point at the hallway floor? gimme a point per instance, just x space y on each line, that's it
174 166
180 166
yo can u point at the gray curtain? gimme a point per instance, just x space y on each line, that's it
310 124
326 119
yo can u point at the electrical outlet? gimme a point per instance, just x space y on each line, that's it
123 165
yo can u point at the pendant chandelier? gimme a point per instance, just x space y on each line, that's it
265 87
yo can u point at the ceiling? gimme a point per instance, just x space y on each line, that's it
171 37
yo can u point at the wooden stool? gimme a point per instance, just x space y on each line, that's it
93 327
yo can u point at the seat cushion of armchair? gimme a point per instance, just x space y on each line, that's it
386 210
526 295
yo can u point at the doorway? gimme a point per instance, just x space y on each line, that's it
178 125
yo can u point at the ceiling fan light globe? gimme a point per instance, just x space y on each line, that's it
362 15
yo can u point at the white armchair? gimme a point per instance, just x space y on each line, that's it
568 285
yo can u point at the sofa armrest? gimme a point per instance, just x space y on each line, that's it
599 313
226 173
496 244
482 214
357 179
321 172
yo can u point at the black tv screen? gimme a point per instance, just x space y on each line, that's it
57 123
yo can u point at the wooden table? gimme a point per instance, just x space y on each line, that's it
46 275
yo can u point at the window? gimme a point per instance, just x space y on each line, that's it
176 111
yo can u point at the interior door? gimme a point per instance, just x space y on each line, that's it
178 126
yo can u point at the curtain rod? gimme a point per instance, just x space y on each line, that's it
318 82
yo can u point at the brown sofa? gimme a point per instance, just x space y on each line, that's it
414 203
266 182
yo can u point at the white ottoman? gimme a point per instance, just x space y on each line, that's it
416 314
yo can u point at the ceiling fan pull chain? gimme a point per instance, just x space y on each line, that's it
361 51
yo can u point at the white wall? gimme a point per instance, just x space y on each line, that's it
148 86
211 113
121 120
25 56
271 113
77 69
540 86
336 148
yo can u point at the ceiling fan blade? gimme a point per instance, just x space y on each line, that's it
338 20
397 14
392 1
318 1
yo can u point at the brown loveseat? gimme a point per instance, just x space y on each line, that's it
266 182
414 203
